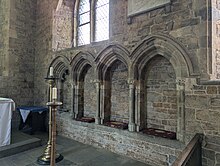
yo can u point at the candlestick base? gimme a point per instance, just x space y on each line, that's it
45 159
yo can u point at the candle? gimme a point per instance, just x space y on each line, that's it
51 72
54 93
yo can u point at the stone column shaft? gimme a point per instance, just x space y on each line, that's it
98 103
73 111
76 103
180 110
138 110
131 107
102 95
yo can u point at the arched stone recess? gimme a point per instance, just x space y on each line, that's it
62 81
113 70
160 52
84 92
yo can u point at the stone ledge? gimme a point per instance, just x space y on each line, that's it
210 82
133 135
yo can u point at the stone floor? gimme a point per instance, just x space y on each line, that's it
75 154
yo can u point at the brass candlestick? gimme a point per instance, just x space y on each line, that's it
53 156
45 158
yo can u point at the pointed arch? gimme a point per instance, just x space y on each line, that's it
167 47
79 63
108 56
60 65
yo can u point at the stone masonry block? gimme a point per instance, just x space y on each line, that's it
212 90
194 101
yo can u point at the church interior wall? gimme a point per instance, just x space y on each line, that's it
179 33
18 51
186 24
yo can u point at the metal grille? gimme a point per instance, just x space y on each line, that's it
84 22
102 20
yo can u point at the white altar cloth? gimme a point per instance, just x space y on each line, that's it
6 107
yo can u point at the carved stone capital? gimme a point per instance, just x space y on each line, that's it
131 82
181 82
96 81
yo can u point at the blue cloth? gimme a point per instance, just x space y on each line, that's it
33 108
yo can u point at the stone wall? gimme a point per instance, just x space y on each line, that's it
89 94
161 95
155 152
216 37
4 45
17 51
202 114
63 25
66 93
119 92
43 54
4 37
22 50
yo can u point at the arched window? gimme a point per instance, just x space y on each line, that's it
91 21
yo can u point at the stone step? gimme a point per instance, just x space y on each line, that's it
20 143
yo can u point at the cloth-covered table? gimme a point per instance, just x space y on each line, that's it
6 107
32 118
25 111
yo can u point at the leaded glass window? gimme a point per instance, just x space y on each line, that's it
84 22
92 21
102 20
